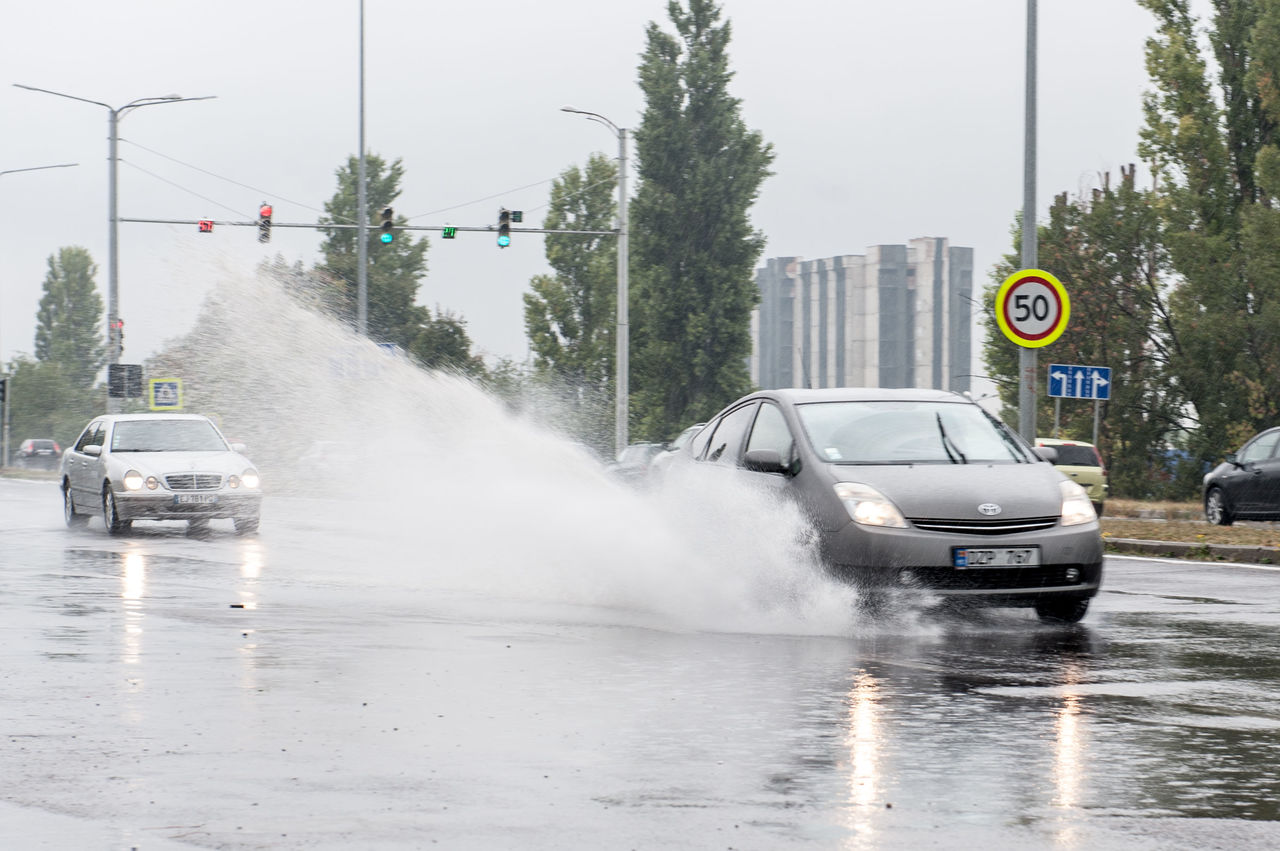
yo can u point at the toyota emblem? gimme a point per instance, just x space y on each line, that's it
990 509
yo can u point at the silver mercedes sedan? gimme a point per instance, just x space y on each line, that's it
128 467
911 488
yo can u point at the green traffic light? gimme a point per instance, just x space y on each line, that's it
387 238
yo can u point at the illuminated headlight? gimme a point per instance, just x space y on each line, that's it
133 480
152 483
868 506
249 479
1076 507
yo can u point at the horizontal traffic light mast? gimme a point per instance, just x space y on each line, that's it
372 229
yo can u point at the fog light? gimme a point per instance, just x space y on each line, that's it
1073 574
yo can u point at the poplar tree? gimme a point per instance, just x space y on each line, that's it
694 251
68 320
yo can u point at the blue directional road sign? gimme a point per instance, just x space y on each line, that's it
1071 381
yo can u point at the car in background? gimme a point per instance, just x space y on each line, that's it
127 467
1246 485
632 463
658 466
917 489
38 453
1083 463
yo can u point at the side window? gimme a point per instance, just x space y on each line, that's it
86 438
698 443
770 432
1260 449
726 442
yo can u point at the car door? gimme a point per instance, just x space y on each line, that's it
728 434
82 467
1252 486
1258 485
770 431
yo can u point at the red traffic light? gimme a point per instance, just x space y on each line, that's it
264 211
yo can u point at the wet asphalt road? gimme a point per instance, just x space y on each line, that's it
290 691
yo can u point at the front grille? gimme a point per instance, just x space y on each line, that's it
193 481
985 527
990 578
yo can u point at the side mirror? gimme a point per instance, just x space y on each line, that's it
1233 458
763 461
1047 453
94 450
239 447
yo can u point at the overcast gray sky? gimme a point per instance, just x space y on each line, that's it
891 120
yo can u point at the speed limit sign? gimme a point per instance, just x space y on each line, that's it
1032 308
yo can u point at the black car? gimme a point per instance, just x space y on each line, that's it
1246 485
39 453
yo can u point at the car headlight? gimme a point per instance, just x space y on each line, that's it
249 478
1076 507
152 483
133 480
868 506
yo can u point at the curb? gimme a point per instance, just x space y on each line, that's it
1196 552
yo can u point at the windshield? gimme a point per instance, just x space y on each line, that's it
166 436
903 432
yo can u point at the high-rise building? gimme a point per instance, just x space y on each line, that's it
897 316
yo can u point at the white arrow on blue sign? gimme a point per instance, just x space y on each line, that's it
1072 381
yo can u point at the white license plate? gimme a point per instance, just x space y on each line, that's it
195 498
967 557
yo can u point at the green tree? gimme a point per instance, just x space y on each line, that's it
569 316
46 401
395 271
1106 249
68 319
694 250
1214 150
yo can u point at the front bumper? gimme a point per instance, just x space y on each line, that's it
1070 563
164 505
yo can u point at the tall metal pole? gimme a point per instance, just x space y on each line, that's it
622 333
1027 360
114 115
362 212
622 381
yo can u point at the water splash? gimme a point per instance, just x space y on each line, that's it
443 483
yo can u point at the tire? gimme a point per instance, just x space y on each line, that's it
246 525
1216 510
69 513
1061 611
1097 508
111 515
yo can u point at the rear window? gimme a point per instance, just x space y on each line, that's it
42 444
1077 456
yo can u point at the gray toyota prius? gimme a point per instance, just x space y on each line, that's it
922 489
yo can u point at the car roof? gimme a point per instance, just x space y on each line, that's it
801 396
119 418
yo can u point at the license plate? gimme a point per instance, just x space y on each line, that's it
967 557
195 498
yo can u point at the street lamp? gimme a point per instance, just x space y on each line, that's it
113 127
622 334
4 437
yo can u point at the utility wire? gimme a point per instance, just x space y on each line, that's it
185 189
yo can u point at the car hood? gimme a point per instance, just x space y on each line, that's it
164 463
954 491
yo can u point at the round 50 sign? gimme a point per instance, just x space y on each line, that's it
1032 308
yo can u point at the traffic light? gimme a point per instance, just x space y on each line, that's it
264 223
4 390
504 227
388 222
116 336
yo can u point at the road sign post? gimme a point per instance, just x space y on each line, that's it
1073 381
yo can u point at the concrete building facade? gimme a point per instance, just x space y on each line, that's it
897 316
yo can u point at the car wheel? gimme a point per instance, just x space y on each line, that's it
1097 508
69 509
1061 611
1215 508
111 515
246 525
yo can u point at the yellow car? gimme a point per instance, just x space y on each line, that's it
1082 463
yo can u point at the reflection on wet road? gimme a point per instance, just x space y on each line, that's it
309 689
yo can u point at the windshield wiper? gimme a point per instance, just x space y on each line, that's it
948 445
